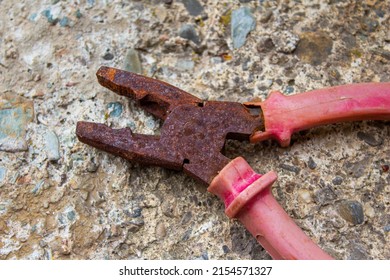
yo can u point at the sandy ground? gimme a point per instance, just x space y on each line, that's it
61 199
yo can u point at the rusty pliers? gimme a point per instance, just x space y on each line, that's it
194 133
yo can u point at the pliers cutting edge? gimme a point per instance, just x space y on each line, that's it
194 133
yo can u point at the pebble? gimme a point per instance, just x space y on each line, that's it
383 54
311 163
64 22
290 168
314 47
3 207
187 31
305 195
185 64
193 7
3 173
325 195
285 41
337 181
52 146
186 218
52 19
369 24
38 187
92 166
135 225
369 211
115 109
108 56
71 215
67 217
386 228
160 231
56 196
168 207
225 249
33 17
204 256
242 23
356 169
357 252
186 235
351 211
15 114
132 61
78 14
369 139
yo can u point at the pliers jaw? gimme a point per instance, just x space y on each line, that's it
155 97
193 133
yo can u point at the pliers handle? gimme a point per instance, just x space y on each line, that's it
284 115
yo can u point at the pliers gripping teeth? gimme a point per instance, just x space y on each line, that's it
194 133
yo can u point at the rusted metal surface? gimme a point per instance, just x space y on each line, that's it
192 136
154 96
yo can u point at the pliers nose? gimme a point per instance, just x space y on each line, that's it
155 97
193 133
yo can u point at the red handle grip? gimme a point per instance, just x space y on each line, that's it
284 115
247 196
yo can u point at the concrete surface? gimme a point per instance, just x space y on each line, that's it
61 199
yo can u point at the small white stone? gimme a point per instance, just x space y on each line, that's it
369 211
305 196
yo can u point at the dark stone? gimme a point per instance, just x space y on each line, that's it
108 56
351 211
357 252
204 256
187 235
337 181
265 44
314 47
311 163
193 7
325 195
225 249
290 168
382 53
356 169
349 40
186 218
245 1
369 24
188 32
369 139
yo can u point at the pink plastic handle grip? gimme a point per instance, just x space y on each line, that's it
284 115
247 196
